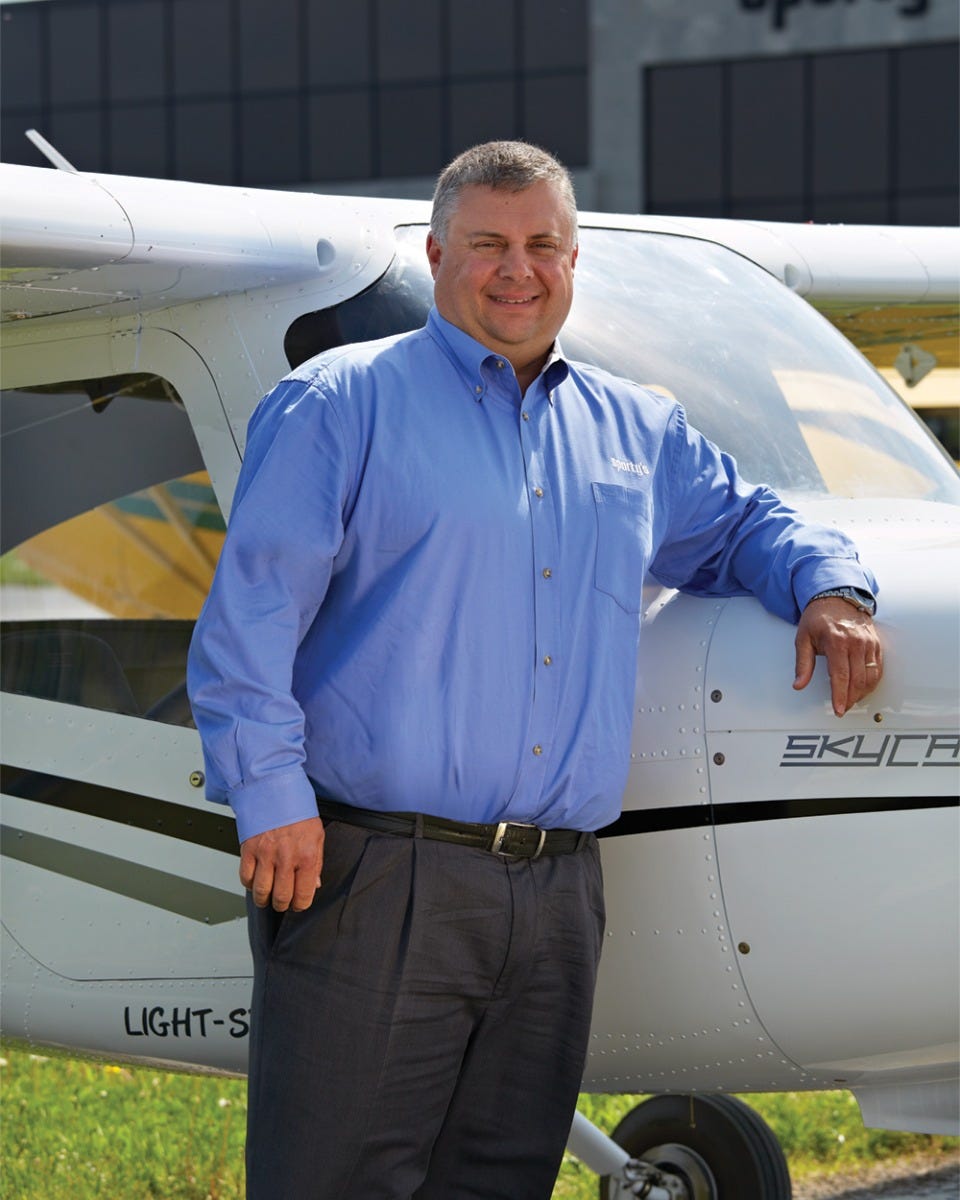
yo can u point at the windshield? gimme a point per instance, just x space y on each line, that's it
758 370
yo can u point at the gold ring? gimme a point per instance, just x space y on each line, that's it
871 664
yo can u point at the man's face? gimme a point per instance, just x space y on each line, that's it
504 275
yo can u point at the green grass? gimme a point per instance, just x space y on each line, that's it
77 1130
13 570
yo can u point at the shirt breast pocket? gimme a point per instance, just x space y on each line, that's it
624 521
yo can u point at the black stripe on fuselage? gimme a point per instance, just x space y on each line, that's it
219 833
657 820
126 808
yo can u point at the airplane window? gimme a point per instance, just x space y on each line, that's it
110 533
944 423
759 371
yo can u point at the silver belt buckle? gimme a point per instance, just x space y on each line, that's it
496 846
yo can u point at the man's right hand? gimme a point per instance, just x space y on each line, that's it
282 866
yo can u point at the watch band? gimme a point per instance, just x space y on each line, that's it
860 598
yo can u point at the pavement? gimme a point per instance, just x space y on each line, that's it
930 1179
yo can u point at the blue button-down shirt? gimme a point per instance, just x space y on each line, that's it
429 594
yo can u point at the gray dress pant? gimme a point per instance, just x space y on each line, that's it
420 1032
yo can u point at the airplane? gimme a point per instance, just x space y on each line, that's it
781 886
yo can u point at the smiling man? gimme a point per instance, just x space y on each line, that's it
503 263
414 679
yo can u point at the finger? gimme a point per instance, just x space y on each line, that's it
871 673
838 666
304 891
248 865
262 886
805 661
308 879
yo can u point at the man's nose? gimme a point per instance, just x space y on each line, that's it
515 263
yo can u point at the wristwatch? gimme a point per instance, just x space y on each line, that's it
860 598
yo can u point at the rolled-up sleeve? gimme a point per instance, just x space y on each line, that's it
284 531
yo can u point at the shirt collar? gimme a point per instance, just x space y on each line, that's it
468 355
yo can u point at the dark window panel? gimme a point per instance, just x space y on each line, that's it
789 209
684 135
766 129
942 209
339 135
338 41
411 131
693 208
78 135
203 141
408 40
201 47
852 210
16 148
555 34
136 41
270 140
138 140
481 112
482 37
75 57
928 149
21 73
269 45
851 123
555 116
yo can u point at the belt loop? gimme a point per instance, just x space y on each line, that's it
418 825
582 840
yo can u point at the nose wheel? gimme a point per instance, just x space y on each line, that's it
708 1147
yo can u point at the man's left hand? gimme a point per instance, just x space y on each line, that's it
849 640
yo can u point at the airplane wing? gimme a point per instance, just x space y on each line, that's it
74 243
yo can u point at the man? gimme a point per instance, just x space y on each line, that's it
424 628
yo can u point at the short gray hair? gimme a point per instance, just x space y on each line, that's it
506 166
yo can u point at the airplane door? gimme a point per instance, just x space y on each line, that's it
114 529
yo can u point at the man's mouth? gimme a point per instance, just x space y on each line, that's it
508 300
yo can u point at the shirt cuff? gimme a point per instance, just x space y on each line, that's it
271 802
821 576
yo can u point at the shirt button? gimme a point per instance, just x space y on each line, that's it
538 749
526 416
478 389
547 572
547 660
538 492
500 363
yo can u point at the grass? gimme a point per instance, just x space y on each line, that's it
13 570
78 1130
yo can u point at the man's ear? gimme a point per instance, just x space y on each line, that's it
434 253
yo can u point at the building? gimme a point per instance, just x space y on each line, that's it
825 110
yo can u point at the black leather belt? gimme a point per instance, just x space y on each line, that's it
509 839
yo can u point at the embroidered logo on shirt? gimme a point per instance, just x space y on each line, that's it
621 464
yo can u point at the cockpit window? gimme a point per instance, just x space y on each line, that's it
758 370
111 533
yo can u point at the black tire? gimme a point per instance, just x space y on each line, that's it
744 1159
